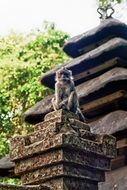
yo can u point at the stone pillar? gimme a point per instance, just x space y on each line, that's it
63 154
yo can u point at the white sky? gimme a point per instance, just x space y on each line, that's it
72 16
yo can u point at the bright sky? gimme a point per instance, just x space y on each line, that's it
72 16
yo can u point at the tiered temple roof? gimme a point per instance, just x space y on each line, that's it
114 48
99 68
108 29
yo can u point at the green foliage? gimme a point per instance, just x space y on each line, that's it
23 59
103 3
10 181
3 144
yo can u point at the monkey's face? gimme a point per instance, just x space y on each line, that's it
63 75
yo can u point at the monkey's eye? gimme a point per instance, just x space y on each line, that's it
66 74
58 73
61 73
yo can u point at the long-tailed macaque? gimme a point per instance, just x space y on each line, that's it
65 94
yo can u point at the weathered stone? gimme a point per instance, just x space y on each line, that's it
62 114
61 120
38 161
65 183
45 124
61 170
106 146
59 126
44 131
19 150
23 187
62 156
62 153
49 132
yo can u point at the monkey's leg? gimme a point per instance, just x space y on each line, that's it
63 104
72 102
74 106
60 105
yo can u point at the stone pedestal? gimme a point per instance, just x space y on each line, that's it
63 154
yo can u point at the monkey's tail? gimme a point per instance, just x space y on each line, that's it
80 115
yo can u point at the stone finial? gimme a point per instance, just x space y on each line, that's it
105 12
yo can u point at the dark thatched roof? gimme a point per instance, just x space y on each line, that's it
116 79
111 123
115 179
116 47
91 39
93 85
5 166
36 113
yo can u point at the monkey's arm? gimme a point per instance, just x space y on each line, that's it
58 93
72 102
58 102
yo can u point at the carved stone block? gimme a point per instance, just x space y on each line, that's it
61 114
62 153
64 183
63 140
67 170
52 157
23 187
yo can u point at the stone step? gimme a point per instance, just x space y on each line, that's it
105 146
74 157
70 183
62 114
23 187
61 170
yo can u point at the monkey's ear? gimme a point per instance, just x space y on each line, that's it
70 72
71 76
56 76
63 68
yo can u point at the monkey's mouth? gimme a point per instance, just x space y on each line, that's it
64 79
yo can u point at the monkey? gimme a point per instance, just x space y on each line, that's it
65 93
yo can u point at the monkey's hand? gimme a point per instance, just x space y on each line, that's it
63 104
59 105
55 105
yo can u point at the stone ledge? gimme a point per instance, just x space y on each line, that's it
61 114
61 170
23 187
65 183
74 122
62 156
53 129
57 127
106 146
